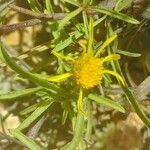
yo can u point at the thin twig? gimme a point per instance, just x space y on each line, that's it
40 18
55 16
5 29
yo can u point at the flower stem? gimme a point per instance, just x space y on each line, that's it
89 122
136 106
78 131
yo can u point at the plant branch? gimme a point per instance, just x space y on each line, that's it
78 131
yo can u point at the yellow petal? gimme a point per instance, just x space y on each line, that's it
105 44
111 57
58 55
57 78
81 43
80 102
116 75
91 30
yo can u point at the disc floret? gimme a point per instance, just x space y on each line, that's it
88 71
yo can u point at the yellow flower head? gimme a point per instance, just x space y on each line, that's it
88 71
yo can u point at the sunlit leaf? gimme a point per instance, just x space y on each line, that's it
49 8
107 102
114 14
29 109
35 5
126 53
67 42
33 77
18 94
38 111
71 15
122 4
25 140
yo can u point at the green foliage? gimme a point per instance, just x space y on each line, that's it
105 101
35 6
25 140
128 53
18 94
65 34
33 77
122 4
42 107
115 14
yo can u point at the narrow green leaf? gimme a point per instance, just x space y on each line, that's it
71 15
85 22
89 121
1 57
67 42
126 53
99 20
34 4
64 116
25 140
75 3
18 94
39 110
136 106
33 77
49 8
78 133
29 109
105 101
115 14
122 4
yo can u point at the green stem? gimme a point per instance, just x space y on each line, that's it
126 90
132 100
89 123
78 131
136 106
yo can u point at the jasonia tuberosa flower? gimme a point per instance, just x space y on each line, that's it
88 70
